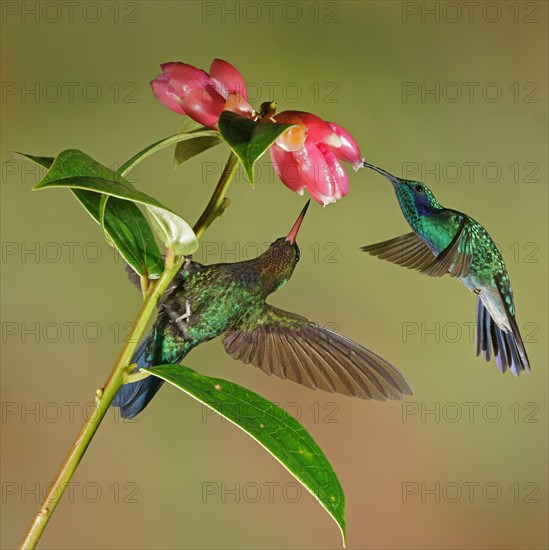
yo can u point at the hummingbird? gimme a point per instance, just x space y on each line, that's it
445 241
228 300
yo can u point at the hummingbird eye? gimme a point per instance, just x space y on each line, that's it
419 188
297 253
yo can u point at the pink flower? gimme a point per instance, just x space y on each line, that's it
202 96
307 156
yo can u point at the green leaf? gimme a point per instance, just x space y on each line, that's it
162 144
189 125
277 431
248 139
46 162
102 208
128 230
124 227
76 170
185 150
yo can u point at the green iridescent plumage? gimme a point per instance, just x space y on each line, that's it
445 241
228 300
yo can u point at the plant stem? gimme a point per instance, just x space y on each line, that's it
117 378
217 202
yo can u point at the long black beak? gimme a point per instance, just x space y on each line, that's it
393 179
292 235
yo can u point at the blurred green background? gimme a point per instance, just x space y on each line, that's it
471 474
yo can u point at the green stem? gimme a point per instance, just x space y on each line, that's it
218 202
118 376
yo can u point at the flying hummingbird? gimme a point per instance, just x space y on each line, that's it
228 300
447 241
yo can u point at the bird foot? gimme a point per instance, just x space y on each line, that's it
187 315
98 395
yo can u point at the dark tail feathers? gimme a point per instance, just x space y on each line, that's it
133 398
507 347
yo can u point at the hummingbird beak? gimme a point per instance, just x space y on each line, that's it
292 235
393 179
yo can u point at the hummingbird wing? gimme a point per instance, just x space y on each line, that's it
410 251
407 250
292 347
456 258
133 277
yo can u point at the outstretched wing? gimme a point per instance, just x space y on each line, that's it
407 250
292 347
411 252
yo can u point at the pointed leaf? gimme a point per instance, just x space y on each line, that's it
128 230
102 208
76 170
248 139
167 226
46 162
185 150
124 227
277 431
162 144
188 125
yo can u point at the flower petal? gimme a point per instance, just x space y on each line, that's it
318 130
184 78
164 93
316 175
287 169
336 171
227 79
204 106
349 150
292 139
191 91
237 104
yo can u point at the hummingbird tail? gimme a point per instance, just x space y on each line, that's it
507 346
133 398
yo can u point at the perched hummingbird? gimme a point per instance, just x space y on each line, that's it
464 249
228 300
